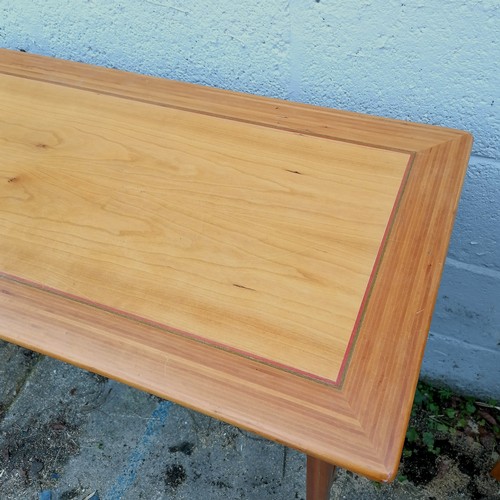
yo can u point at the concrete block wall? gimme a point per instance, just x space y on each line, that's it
421 60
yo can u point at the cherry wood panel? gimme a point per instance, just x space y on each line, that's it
256 239
359 425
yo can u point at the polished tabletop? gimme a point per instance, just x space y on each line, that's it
272 264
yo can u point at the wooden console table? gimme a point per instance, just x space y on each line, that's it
271 264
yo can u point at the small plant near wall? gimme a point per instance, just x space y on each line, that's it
450 432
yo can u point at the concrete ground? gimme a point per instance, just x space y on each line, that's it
67 434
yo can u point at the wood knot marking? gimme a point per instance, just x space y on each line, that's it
12 179
244 287
41 145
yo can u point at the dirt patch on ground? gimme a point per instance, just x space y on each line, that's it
33 453
41 411
452 444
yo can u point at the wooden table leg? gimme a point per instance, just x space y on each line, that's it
319 479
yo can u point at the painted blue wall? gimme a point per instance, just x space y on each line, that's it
432 61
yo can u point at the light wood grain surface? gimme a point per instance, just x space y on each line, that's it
253 238
145 224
